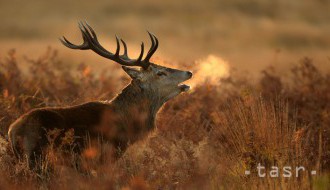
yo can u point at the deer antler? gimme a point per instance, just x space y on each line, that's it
91 42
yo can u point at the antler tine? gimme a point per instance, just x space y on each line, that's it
85 34
118 47
68 44
153 48
94 36
125 55
152 41
91 30
138 61
91 42
141 54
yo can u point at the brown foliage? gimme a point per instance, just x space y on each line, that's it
205 139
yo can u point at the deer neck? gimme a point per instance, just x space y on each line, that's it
138 106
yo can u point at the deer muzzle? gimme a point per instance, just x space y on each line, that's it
184 87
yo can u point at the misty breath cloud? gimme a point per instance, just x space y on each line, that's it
210 70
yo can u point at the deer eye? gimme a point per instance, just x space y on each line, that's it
161 73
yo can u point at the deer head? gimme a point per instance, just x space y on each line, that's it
164 82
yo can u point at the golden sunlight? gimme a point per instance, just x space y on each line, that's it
210 70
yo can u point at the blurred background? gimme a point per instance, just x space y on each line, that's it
249 35
205 138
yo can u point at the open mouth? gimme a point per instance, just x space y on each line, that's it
184 88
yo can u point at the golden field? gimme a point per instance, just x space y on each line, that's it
260 91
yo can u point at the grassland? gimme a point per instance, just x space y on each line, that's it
205 139
276 114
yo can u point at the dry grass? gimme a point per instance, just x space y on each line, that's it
205 139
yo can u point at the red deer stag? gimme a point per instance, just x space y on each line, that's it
122 121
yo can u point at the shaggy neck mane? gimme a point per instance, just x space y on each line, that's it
138 105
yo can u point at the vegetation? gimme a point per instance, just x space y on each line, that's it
205 139
229 122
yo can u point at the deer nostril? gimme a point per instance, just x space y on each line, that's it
189 74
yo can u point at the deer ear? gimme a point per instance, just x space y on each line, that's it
133 73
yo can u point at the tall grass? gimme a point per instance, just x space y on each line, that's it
205 139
